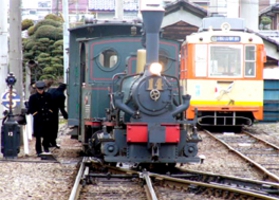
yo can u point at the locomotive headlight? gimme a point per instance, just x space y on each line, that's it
156 68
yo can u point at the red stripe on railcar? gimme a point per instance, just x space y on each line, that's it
137 133
172 133
93 124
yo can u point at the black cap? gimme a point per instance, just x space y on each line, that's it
40 84
62 86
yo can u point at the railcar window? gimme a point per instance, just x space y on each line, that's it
250 61
108 58
225 61
200 60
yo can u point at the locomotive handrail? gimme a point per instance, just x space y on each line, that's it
179 93
113 79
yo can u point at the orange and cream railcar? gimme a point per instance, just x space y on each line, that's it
223 72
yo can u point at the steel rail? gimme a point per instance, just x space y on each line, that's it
207 185
275 185
150 193
271 175
76 188
30 161
265 142
172 180
149 189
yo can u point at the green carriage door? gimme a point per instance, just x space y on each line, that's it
108 57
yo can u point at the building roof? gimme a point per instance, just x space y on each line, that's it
270 10
185 22
272 35
186 5
109 5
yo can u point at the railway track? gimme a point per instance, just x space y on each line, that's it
107 182
262 155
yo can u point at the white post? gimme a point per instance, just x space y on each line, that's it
65 37
29 119
4 47
25 140
27 82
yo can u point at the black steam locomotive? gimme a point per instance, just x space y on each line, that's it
125 103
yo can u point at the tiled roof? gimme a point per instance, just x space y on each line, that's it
269 9
271 34
185 4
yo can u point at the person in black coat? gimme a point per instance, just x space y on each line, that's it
41 107
59 98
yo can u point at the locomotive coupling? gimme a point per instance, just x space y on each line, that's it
155 152
193 136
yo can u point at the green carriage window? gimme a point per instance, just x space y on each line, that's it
163 59
108 58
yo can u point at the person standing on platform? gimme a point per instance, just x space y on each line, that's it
59 98
41 107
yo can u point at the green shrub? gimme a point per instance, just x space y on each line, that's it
47 22
58 43
48 31
54 17
43 55
29 44
26 24
31 30
47 76
48 70
44 40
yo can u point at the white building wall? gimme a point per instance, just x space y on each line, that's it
249 11
233 8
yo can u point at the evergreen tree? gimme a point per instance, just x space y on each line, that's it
44 46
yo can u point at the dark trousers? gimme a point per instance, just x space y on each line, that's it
45 143
54 129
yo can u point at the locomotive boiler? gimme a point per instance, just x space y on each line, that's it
145 116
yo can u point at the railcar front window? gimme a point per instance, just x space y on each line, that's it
225 61
250 61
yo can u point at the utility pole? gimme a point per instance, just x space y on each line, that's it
4 47
65 38
15 52
57 7
119 10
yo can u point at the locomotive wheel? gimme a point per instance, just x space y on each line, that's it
95 145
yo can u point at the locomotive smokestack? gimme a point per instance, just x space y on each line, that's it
152 19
